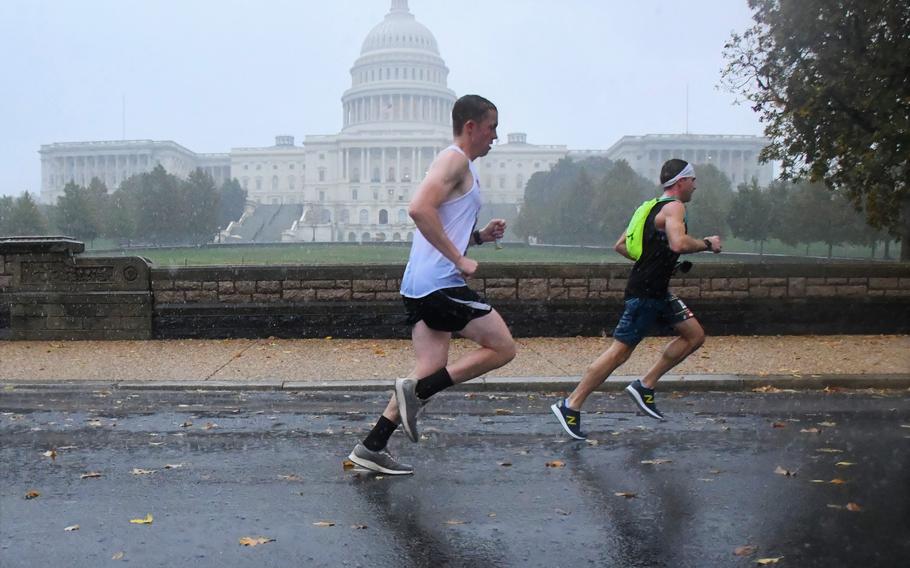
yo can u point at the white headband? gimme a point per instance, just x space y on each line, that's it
687 172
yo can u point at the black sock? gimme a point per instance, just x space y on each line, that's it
428 386
380 434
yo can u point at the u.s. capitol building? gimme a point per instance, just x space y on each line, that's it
355 185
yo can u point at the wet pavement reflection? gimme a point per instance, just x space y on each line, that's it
496 482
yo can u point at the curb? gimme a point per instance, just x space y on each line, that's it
694 383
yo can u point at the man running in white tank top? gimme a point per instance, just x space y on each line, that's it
434 289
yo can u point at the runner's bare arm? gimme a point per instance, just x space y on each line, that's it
674 220
444 181
620 246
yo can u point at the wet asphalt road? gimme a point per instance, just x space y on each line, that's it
270 464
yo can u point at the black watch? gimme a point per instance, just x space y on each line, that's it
477 239
709 245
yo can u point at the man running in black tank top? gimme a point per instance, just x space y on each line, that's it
649 301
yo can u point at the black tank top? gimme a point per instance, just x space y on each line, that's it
650 277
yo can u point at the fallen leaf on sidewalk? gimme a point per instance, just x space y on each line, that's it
563 512
556 463
657 461
456 522
766 389
744 550
505 464
139 471
322 524
71 528
117 556
502 411
626 494
786 472
291 477
146 521
173 465
91 475
255 540
32 494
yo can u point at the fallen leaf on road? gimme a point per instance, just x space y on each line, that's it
844 464
91 475
854 507
828 424
781 471
32 494
117 556
562 512
71 528
556 463
359 527
657 461
837 481
591 442
626 494
816 481
778 424
173 465
810 431
830 506
505 464
290 477
146 521
324 524
905 425
255 540
348 464
209 426
455 522
502 411
764 561
829 451
186 424
766 388
50 454
744 550
139 471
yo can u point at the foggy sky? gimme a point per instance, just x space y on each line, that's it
217 74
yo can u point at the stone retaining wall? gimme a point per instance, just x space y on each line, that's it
536 300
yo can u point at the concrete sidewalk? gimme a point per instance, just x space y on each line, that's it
542 363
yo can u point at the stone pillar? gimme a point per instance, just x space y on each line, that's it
398 164
52 294
382 166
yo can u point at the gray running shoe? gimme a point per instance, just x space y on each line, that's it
644 398
408 406
380 462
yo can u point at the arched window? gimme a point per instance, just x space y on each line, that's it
410 237
380 237
396 237
365 238
364 217
383 217
352 237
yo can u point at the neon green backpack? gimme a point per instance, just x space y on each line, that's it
636 230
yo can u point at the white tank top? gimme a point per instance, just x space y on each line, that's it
428 270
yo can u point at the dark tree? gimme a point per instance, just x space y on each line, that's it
831 81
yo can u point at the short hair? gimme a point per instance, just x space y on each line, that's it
671 169
469 107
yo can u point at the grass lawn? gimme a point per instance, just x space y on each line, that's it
321 254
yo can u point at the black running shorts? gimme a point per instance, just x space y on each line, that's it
448 309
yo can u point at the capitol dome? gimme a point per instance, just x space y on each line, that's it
399 30
400 81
